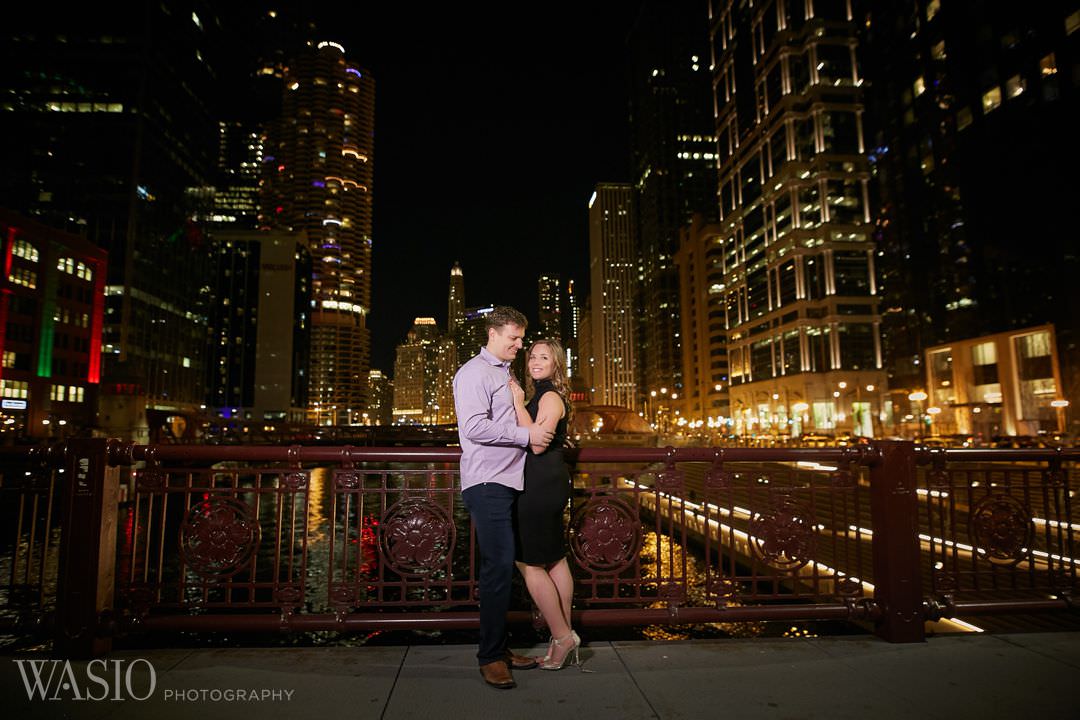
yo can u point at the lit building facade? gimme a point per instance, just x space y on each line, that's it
1003 384
418 364
236 191
455 302
471 333
257 369
107 128
613 282
582 381
52 302
550 314
571 327
440 408
972 118
380 395
318 171
705 396
795 260
674 150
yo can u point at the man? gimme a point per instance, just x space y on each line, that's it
492 475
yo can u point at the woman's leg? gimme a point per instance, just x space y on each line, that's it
564 583
547 597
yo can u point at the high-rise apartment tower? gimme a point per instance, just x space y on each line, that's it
318 173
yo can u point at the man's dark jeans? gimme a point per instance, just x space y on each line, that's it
492 508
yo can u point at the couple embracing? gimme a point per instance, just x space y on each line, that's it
516 486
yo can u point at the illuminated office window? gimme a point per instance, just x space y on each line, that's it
1014 86
1048 65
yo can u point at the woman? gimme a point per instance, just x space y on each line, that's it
539 531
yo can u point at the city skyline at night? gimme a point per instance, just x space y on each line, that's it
857 171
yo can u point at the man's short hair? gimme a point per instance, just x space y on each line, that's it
504 315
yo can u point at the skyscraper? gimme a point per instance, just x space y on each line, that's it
420 377
549 298
971 122
674 148
795 259
318 172
110 133
455 305
571 325
239 164
705 362
613 280
259 337
380 395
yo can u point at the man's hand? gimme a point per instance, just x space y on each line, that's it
540 436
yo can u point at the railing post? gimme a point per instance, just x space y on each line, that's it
894 510
86 577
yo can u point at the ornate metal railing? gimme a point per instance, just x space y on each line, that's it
29 544
340 538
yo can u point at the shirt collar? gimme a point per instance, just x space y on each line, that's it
492 360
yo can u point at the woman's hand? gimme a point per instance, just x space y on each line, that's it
516 391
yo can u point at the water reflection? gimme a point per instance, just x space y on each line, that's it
663 546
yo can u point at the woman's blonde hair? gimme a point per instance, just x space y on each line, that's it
558 374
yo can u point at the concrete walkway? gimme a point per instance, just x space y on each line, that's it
1034 675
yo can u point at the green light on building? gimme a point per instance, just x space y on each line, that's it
48 311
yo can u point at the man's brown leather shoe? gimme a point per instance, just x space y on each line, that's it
520 662
497 674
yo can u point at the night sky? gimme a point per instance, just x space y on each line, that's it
492 127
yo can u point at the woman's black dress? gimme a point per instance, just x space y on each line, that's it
539 532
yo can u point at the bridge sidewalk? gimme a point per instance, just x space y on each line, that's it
949 676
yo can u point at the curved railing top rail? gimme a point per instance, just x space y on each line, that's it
127 453
124 454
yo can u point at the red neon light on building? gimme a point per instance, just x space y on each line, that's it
5 293
97 321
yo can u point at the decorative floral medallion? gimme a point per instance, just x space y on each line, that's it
670 481
346 480
151 480
719 479
294 481
343 594
605 535
289 595
1001 529
416 537
218 537
783 536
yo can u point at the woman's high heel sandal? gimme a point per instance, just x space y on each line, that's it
571 643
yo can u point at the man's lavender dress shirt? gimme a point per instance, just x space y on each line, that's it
492 444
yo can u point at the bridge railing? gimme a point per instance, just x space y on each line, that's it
295 538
